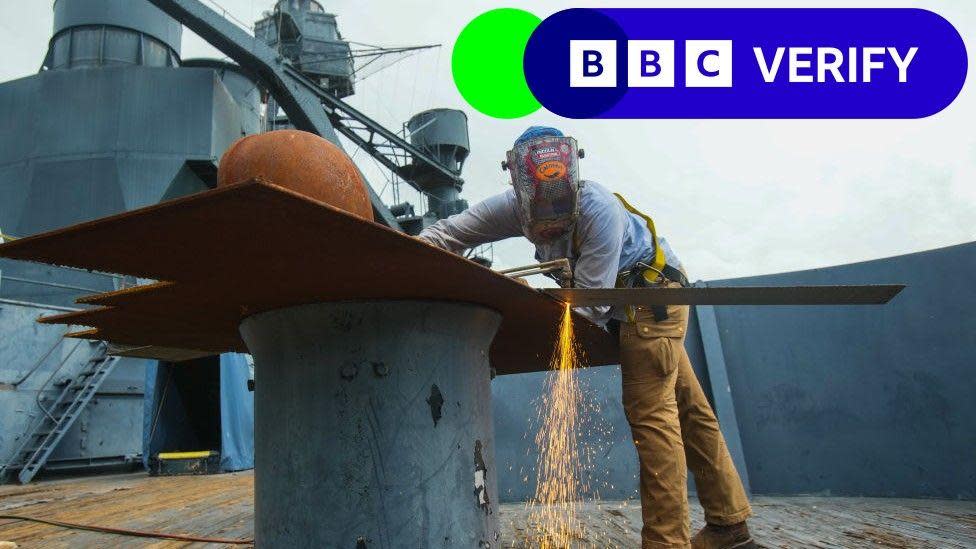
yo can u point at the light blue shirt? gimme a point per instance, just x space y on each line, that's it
610 239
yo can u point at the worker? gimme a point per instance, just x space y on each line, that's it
611 244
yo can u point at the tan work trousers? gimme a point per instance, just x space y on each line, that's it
674 429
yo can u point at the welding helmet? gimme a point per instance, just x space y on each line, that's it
545 175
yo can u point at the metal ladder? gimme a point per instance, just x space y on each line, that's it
43 438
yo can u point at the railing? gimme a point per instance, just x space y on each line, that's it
228 15
119 283
43 387
49 284
37 364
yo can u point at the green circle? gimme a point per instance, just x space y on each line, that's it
487 63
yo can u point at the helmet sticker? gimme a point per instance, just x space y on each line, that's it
553 169
545 175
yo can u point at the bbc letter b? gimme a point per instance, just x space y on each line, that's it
592 63
650 63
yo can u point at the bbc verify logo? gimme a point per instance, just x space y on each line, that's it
650 63
709 63
712 63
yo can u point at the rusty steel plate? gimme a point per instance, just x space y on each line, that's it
239 250
742 295
124 327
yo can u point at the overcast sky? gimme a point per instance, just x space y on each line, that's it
734 198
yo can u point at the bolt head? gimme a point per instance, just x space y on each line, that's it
349 371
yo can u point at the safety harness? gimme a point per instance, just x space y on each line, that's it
641 274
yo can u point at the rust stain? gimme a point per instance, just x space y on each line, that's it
252 247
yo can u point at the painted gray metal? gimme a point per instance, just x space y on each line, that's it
124 133
107 431
85 144
136 15
99 46
839 400
303 107
373 425
721 393
293 91
384 145
59 416
308 105
302 31
242 88
82 144
860 400
442 134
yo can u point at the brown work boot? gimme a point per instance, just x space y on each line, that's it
733 536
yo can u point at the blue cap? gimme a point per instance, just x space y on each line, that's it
538 131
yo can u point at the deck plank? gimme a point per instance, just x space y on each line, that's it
222 506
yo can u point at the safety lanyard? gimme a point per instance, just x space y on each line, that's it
659 261
657 264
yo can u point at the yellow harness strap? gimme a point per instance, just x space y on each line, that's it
659 261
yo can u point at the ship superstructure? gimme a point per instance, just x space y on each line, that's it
116 120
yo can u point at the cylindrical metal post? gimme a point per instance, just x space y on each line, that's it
373 425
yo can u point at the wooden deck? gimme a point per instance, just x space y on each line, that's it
221 506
